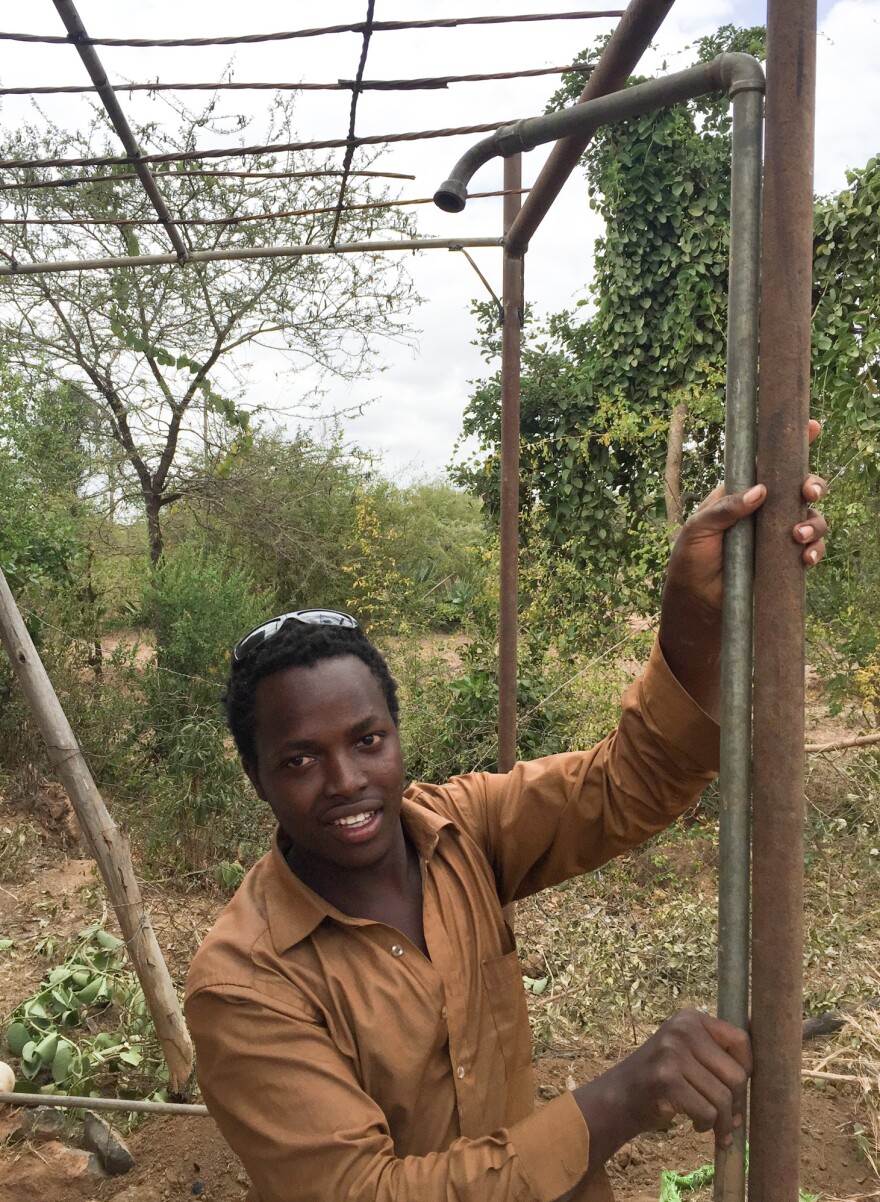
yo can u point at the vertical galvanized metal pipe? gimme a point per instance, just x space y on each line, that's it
739 549
511 346
778 754
629 41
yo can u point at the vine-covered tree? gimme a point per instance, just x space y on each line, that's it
161 350
610 399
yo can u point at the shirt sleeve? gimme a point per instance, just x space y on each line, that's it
289 1104
554 818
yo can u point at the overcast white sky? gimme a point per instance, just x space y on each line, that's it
418 399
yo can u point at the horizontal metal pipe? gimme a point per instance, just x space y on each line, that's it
451 196
357 27
343 85
131 1105
249 252
238 152
241 218
176 175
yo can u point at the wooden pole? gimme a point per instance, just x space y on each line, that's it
108 845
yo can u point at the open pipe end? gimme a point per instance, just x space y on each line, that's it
451 196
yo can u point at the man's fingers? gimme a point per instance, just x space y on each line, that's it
815 554
691 1101
811 534
717 1096
811 530
814 488
732 1040
814 428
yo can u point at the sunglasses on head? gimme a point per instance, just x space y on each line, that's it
309 617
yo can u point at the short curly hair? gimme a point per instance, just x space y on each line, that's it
295 645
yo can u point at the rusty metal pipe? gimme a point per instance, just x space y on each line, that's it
739 549
80 38
605 110
513 301
778 759
630 39
728 72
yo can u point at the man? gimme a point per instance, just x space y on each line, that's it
358 1011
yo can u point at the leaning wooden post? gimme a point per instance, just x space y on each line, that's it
108 845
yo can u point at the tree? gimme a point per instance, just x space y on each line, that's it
159 349
45 457
845 598
610 401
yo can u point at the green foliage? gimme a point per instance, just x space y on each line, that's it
42 453
673 1185
845 597
199 607
566 697
598 392
90 983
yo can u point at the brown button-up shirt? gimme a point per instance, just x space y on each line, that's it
343 1065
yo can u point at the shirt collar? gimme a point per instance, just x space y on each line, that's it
293 910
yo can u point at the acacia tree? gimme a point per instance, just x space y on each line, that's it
160 349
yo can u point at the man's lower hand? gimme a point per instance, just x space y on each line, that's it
694 1065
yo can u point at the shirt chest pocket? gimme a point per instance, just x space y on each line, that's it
502 982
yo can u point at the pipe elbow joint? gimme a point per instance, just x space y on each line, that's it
451 196
740 73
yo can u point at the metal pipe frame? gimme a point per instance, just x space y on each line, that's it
737 644
247 252
513 305
630 39
88 54
778 765
720 74
743 79
249 39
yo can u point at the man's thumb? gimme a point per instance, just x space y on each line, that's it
728 510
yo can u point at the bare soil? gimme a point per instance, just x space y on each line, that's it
49 890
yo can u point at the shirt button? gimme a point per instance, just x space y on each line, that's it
396 949
459 1072
444 1013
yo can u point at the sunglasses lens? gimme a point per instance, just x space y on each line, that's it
310 617
325 617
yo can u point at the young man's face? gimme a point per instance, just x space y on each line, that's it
329 763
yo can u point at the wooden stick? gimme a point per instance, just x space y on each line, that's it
107 843
842 744
132 1105
809 1072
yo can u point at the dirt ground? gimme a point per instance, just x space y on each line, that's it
48 890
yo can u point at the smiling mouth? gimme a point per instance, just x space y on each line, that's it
355 820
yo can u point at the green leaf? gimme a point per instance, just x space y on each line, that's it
16 1038
89 994
61 1064
47 1047
108 941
